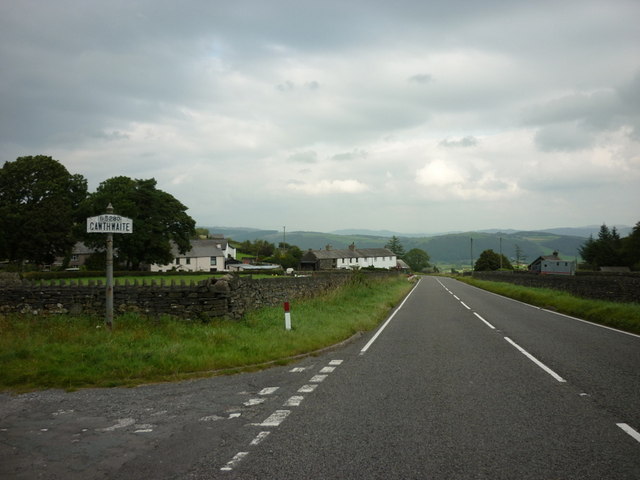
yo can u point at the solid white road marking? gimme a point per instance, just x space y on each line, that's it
381 329
307 388
634 434
268 390
276 418
488 324
234 461
259 438
535 360
294 401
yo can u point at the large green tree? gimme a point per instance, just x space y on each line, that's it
490 260
606 250
417 259
39 202
158 219
631 248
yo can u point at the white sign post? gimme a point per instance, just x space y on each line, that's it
109 224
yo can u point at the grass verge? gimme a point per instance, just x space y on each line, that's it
624 316
68 352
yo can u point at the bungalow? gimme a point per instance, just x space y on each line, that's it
208 255
552 265
351 257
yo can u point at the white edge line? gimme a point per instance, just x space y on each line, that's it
535 360
380 330
634 434
488 324
593 324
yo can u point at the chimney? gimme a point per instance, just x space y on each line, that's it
327 247
352 247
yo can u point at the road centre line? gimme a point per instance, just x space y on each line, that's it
535 360
465 305
488 324
381 329
633 433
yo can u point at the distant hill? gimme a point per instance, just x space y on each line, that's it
446 249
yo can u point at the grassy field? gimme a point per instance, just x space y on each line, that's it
624 316
75 352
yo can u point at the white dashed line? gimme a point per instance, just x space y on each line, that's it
465 306
253 401
488 324
307 388
298 370
336 362
268 390
535 360
294 401
327 369
234 461
276 418
259 438
318 378
633 433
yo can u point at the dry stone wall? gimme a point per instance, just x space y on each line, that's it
229 296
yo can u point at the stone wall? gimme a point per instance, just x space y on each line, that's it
614 287
230 296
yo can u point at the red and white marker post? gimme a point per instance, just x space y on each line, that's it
287 316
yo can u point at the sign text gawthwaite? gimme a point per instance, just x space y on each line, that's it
109 224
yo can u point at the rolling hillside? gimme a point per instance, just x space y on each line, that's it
449 249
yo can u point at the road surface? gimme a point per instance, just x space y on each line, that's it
457 384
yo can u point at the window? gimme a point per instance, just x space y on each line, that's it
212 261
188 260
177 260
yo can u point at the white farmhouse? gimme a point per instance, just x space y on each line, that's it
208 255
350 258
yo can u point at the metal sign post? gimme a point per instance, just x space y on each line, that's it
109 224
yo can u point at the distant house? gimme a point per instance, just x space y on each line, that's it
349 258
553 265
208 255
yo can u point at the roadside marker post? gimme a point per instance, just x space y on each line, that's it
287 316
109 224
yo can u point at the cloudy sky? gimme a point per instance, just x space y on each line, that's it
411 115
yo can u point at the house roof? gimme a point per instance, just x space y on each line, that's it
200 248
348 253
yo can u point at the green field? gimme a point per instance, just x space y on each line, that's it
61 351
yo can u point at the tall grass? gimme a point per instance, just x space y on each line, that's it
624 316
73 352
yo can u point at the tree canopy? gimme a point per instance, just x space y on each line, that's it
605 251
158 219
490 260
39 206
395 246
417 259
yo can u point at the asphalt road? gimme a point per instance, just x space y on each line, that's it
458 384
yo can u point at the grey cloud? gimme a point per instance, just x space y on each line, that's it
348 156
304 157
568 136
421 78
465 142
